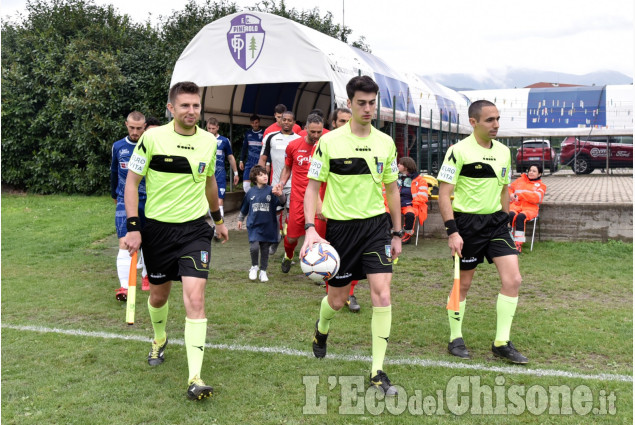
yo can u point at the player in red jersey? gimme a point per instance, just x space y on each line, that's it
297 162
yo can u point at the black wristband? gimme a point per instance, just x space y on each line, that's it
216 216
133 224
307 225
450 227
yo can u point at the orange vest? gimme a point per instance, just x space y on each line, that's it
419 190
530 195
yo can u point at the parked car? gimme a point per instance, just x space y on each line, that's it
591 153
536 151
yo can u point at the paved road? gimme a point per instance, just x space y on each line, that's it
593 188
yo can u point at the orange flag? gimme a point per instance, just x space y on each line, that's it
132 290
453 302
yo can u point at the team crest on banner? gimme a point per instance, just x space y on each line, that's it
245 39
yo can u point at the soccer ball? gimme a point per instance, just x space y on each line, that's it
321 262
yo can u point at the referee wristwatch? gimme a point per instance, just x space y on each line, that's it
398 234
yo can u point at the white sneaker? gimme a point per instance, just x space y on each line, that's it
253 272
263 276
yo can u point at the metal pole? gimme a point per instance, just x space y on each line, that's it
429 145
377 121
393 128
419 142
405 133
440 144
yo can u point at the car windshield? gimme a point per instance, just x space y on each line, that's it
535 144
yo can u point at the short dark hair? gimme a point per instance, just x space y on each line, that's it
409 164
538 166
289 113
314 119
180 88
279 108
253 118
136 116
212 121
255 170
474 111
336 112
152 121
361 83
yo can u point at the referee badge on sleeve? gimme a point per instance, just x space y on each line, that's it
201 167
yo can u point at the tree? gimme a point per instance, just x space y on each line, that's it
61 97
72 71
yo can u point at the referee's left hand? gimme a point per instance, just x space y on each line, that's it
395 247
221 231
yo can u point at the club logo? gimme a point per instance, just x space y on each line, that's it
245 39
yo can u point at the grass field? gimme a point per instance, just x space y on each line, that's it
69 358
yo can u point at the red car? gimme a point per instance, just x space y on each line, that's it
536 151
591 153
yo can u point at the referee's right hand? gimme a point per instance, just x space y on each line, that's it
455 242
132 241
311 237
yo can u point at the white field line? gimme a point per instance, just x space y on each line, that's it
511 370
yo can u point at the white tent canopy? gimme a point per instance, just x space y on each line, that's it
249 62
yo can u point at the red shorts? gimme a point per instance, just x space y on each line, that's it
295 222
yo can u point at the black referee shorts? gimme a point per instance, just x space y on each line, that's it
363 246
484 235
172 250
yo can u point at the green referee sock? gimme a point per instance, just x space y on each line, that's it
380 331
159 317
456 321
326 314
505 310
195 333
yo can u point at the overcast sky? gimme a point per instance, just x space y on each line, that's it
466 36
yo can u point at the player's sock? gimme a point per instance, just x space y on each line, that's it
505 310
123 267
352 291
195 332
326 315
140 259
455 325
222 211
289 247
380 331
158 317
